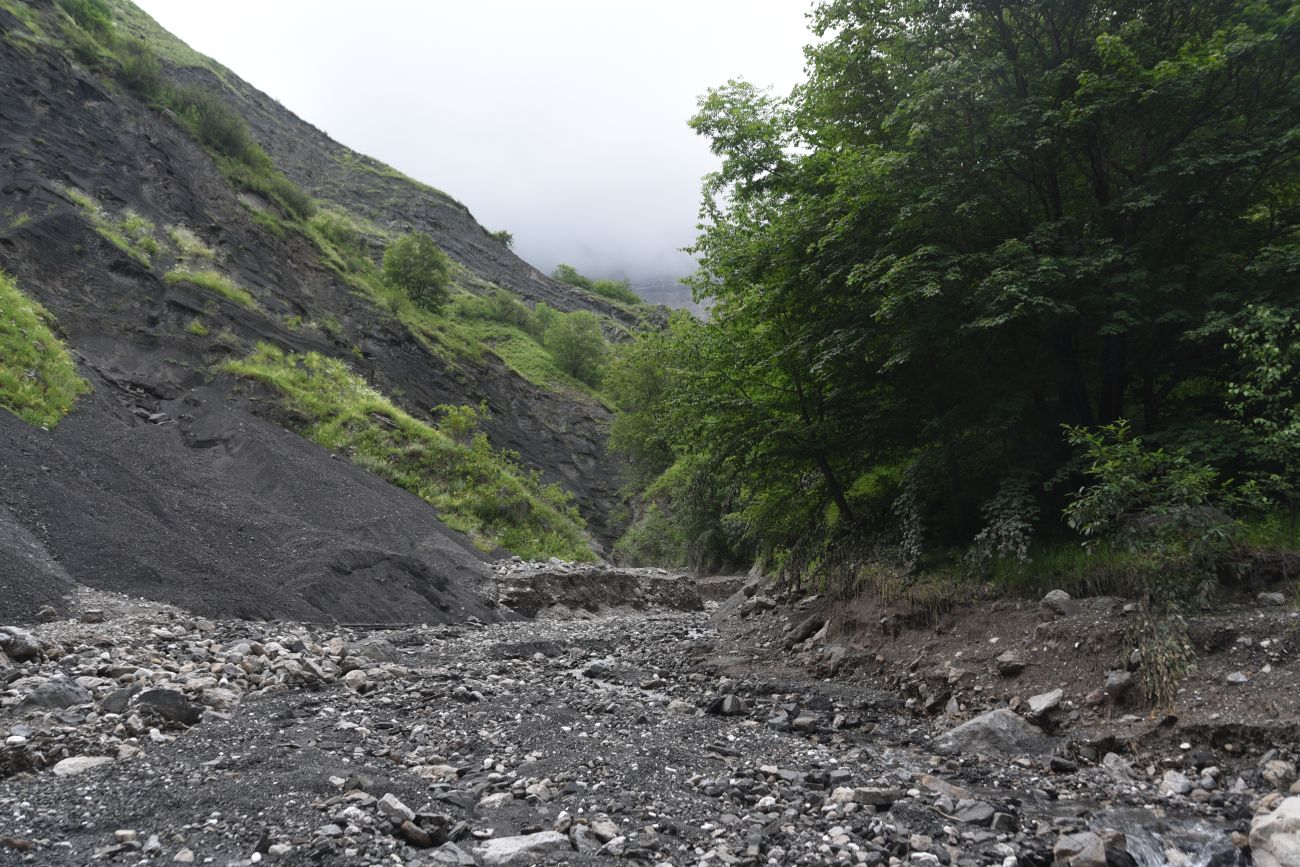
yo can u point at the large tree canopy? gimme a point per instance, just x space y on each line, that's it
978 222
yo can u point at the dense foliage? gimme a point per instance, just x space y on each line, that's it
973 225
416 265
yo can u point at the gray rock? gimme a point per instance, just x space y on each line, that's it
375 650
92 615
1277 599
877 796
118 700
1175 783
169 705
805 629
1275 836
1237 678
514 850
70 767
974 812
727 705
1000 732
19 644
1059 604
390 806
1045 703
450 853
1278 773
58 692
1118 685
1010 663
604 830
1084 849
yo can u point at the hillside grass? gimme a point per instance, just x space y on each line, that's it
477 490
214 282
38 378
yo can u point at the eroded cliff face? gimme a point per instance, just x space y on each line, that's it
172 476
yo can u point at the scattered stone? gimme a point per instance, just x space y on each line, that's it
999 732
1010 663
1084 849
1059 604
169 704
1175 783
70 767
1119 684
58 692
1278 773
515 850
390 806
19 644
1275 836
1041 705
727 705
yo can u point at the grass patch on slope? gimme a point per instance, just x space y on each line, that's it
38 379
481 492
215 282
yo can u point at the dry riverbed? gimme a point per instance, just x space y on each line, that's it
608 729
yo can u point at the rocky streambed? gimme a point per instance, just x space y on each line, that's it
136 733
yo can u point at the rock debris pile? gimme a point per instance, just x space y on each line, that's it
142 735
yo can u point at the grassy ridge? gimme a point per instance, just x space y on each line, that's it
481 492
38 378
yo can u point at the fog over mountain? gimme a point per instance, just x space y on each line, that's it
563 122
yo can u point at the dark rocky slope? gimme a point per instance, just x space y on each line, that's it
218 507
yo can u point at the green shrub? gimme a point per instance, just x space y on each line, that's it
542 318
197 328
215 124
138 69
617 290
569 274
416 265
38 378
214 281
504 307
504 237
654 539
576 342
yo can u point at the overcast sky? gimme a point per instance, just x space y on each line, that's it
563 121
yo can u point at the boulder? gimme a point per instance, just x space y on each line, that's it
1275 836
805 629
1010 663
19 644
1000 732
522 849
1084 849
1059 604
70 767
1041 705
58 692
170 705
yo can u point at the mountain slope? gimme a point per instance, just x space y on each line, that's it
174 479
